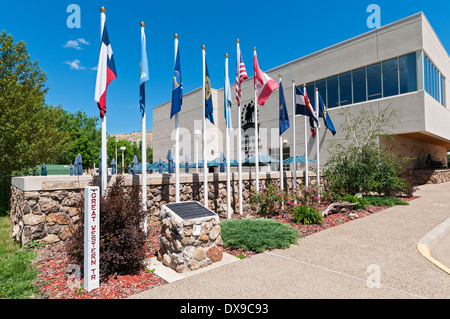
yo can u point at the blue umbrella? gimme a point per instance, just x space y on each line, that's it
71 169
129 168
298 159
44 170
263 159
170 161
222 163
113 166
78 165
100 164
135 164
200 164
186 166
140 167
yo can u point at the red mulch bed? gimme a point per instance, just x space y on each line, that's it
53 262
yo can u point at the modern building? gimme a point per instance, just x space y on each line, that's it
402 65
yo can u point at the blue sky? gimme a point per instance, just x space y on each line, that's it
281 30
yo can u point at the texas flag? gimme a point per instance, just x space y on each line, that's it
264 85
106 72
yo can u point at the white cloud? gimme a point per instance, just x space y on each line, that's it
75 65
83 41
76 44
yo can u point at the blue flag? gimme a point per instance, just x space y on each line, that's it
144 71
323 112
177 88
228 104
208 97
284 116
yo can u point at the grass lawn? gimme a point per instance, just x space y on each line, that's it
16 270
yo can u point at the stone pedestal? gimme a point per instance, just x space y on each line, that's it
189 244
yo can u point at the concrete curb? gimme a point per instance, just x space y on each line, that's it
425 243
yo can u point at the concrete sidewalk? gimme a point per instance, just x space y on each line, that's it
372 257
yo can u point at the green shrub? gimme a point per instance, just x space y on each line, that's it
362 201
384 200
306 215
257 234
268 201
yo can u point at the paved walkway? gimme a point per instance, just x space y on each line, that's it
372 257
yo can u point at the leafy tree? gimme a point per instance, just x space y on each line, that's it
29 133
84 138
132 149
361 163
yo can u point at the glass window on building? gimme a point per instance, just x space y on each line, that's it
345 88
321 85
433 81
390 77
333 93
374 81
408 73
359 85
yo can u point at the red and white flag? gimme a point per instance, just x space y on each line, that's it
241 75
264 85
106 72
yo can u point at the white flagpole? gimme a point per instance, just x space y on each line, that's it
306 147
205 161
281 148
256 135
104 178
316 102
239 132
177 141
144 154
293 137
228 156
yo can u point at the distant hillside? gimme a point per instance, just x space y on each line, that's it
135 137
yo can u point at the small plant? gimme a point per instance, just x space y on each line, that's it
121 236
268 201
257 234
362 201
385 200
306 215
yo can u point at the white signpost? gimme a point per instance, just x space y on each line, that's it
91 238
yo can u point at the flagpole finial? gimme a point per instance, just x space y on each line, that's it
102 9
304 85
175 35
254 48
203 47
279 75
142 24
226 55
317 89
237 40
293 81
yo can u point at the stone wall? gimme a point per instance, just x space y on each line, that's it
43 208
429 176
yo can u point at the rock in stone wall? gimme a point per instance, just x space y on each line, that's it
44 217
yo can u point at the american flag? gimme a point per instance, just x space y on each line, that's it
241 74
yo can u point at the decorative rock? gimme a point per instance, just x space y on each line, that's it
58 218
199 254
203 237
215 254
32 220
